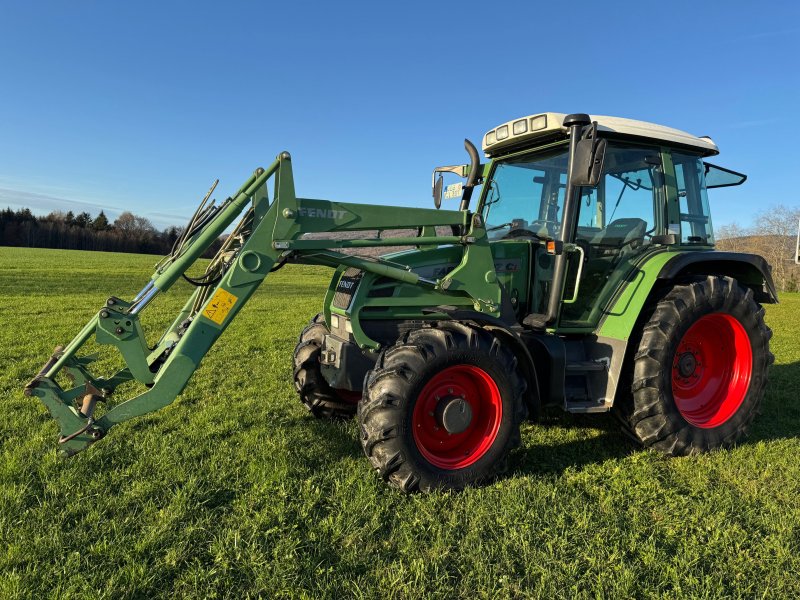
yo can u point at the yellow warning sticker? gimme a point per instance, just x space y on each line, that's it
219 306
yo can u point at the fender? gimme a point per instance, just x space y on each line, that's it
750 269
663 267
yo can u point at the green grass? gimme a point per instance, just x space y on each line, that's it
234 491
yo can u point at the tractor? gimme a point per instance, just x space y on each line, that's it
578 271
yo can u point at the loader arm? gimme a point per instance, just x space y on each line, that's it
267 236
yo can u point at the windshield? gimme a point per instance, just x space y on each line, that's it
526 196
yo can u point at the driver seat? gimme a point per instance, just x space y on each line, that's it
619 233
607 247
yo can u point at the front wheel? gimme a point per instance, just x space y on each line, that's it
700 371
321 400
442 409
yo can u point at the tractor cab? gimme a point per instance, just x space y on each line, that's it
649 195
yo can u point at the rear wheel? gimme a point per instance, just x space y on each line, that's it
701 369
442 409
315 393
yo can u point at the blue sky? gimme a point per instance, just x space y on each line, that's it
139 106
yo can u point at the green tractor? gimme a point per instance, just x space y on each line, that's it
579 271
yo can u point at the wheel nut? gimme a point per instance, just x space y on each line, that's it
104 314
120 330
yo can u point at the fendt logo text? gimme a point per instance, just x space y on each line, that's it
322 213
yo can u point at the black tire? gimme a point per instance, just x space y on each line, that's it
393 389
315 393
668 409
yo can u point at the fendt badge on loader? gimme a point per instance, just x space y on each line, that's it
584 276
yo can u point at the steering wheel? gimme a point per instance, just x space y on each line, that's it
521 232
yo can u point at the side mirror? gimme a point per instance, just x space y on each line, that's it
587 163
437 183
437 192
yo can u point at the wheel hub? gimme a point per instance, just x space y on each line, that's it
687 363
454 414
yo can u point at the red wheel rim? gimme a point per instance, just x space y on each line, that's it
711 370
457 386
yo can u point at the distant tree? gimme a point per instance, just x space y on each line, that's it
131 225
731 237
100 222
69 218
57 216
83 220
171 234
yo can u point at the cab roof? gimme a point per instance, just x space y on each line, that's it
526 130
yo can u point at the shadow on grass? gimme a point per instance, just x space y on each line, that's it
555 458
780 419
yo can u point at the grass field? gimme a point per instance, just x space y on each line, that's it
234 491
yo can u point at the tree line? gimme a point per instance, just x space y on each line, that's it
127 233
773 236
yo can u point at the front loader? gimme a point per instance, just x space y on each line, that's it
584 277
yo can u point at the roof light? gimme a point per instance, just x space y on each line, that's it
490 139
520 126
502 132
538 123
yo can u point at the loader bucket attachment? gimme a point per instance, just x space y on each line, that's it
266 237
165 369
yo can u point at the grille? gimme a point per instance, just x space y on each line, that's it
346 288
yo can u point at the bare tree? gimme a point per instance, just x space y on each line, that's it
732 237
775 230
134 226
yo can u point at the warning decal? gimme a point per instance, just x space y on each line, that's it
219 306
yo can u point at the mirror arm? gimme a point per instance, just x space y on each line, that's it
475 167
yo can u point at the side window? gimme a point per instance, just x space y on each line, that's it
621 211
695 216
629 195
590 215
